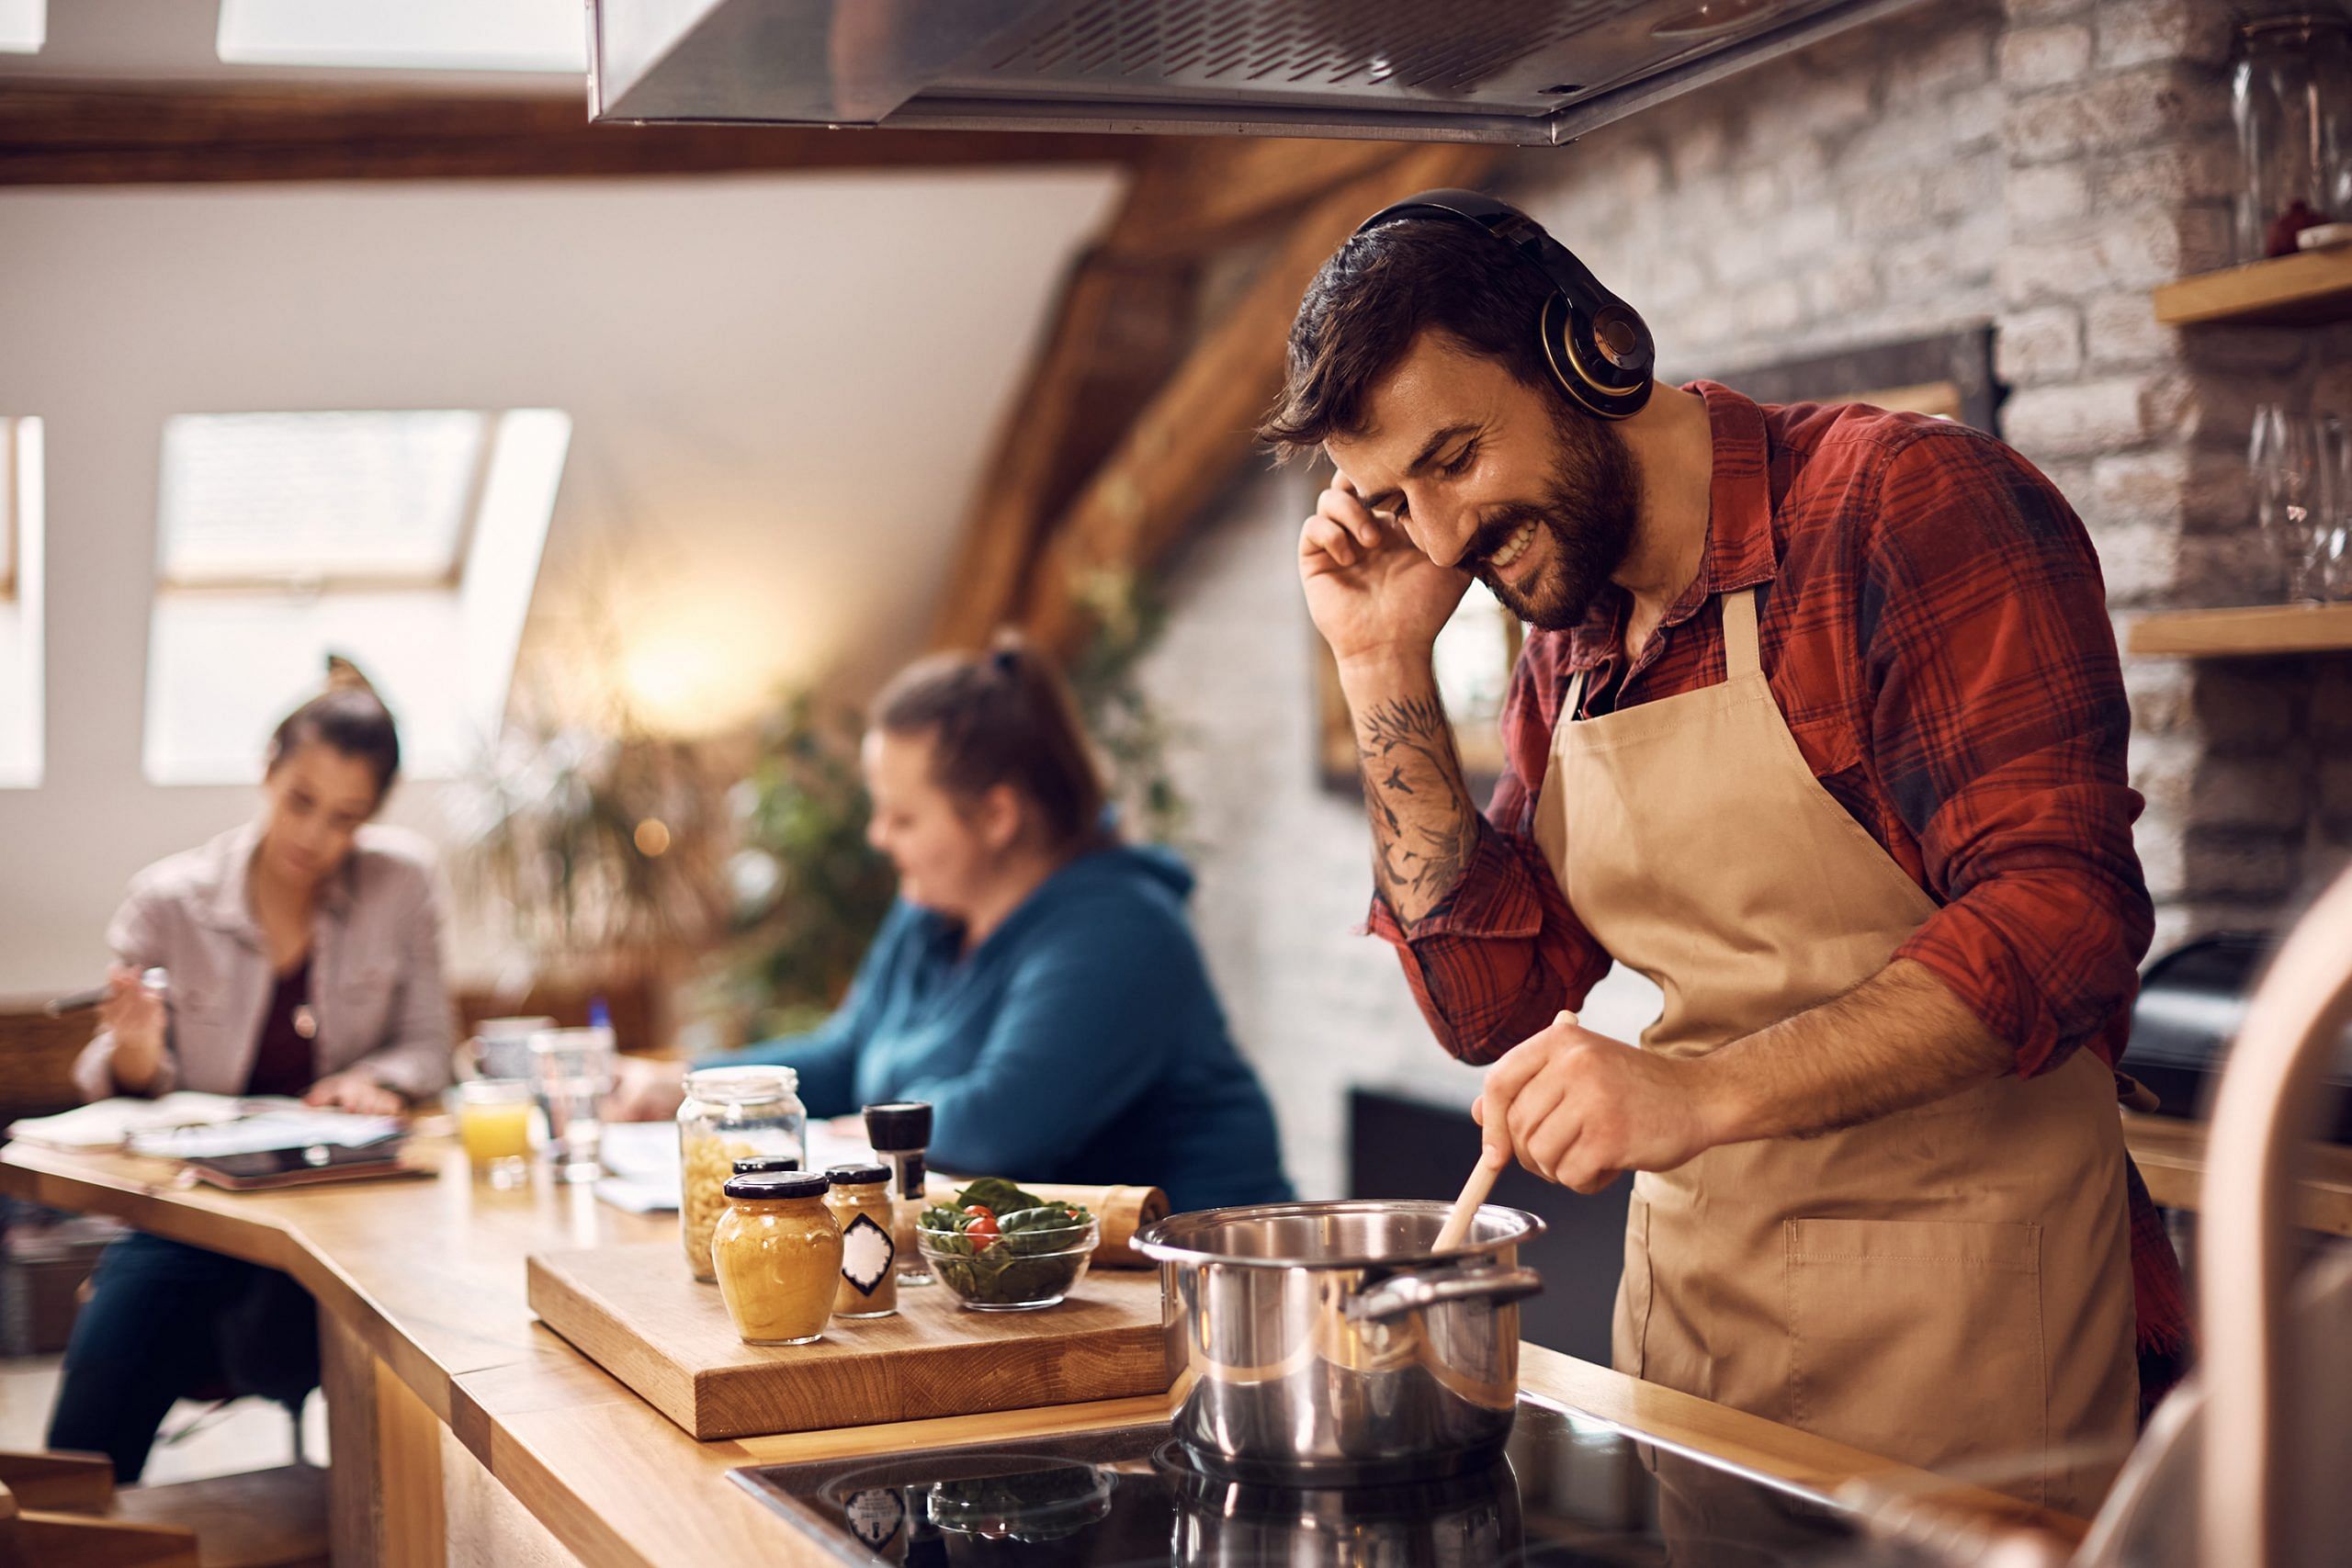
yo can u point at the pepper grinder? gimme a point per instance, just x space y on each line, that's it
899 1132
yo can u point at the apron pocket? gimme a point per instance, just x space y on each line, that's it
1920 1341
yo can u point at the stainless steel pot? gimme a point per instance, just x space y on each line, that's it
1325 1344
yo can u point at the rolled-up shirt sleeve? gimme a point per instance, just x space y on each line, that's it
1999 729
1502 953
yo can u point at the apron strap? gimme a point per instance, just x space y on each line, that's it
1576 697
1740 656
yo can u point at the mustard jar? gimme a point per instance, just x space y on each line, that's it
729 1114
861 1203
777 1252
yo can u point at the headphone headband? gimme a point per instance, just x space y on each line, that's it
1597 347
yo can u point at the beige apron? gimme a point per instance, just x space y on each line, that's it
1949 1286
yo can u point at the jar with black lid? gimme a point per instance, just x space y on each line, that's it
861 1203
778 1253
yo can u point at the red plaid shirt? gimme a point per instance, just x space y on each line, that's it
1934 628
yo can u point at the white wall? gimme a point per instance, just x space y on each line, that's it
782 389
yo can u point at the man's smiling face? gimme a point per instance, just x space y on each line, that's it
1538 499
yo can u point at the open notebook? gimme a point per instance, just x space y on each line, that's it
188 1125
110 1123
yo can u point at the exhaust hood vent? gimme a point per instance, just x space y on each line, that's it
1531 72
1203 43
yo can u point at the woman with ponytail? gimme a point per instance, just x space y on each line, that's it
303 951
1037 981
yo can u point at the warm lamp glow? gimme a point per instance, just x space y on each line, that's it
680 683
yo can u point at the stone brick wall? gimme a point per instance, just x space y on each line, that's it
2039 166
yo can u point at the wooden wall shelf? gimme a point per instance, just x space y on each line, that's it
2242 634
2303 289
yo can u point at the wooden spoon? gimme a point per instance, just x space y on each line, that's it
1491 1161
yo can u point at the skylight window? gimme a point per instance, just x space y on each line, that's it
407 541
21 705
24 26
318 498
448 35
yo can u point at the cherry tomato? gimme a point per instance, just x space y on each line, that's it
983 1223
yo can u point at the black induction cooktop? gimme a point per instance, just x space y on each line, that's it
1568 1490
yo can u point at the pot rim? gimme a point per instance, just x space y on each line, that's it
1152 1240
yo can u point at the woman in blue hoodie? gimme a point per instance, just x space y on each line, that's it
1037 982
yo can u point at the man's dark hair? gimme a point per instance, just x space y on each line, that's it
1376 295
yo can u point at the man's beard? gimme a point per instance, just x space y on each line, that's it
1589 509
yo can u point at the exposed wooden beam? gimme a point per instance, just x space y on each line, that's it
1203 194
1196 433
1114 334
1124 322
91 133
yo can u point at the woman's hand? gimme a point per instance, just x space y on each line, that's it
356 1092
134 1016
645 1091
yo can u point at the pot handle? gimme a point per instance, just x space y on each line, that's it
1411 1293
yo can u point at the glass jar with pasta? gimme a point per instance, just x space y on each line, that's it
729 1114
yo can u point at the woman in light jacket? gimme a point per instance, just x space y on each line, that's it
303 956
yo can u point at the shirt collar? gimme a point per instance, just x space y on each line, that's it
1741 551
230 909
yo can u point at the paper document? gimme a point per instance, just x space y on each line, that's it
642 1158
109 1124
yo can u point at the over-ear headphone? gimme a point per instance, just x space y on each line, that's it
1597 347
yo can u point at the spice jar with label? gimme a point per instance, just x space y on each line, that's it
731 1114
861 1203
777 1252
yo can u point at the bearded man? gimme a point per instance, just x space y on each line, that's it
1819 725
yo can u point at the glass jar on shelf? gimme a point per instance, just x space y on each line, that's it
2291 98
729 1114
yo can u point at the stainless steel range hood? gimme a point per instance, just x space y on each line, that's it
1531 72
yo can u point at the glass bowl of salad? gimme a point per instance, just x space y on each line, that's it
997 1248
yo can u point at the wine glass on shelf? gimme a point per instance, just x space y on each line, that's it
2332 441
2283 460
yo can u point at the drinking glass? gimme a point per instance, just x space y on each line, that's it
2283 459
501 1047
2335 510
495 1125
571 1071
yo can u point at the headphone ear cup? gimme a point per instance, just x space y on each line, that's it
1608 375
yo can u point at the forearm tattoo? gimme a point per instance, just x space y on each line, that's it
1424 825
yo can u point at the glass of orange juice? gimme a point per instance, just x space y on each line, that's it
495 1125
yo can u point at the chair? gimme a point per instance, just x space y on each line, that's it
52 1515
64 1511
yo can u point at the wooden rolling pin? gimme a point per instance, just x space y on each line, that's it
1123 1211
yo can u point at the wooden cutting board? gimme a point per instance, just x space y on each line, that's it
635 1312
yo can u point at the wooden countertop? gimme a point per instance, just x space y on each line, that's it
2170 1153
429 1274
